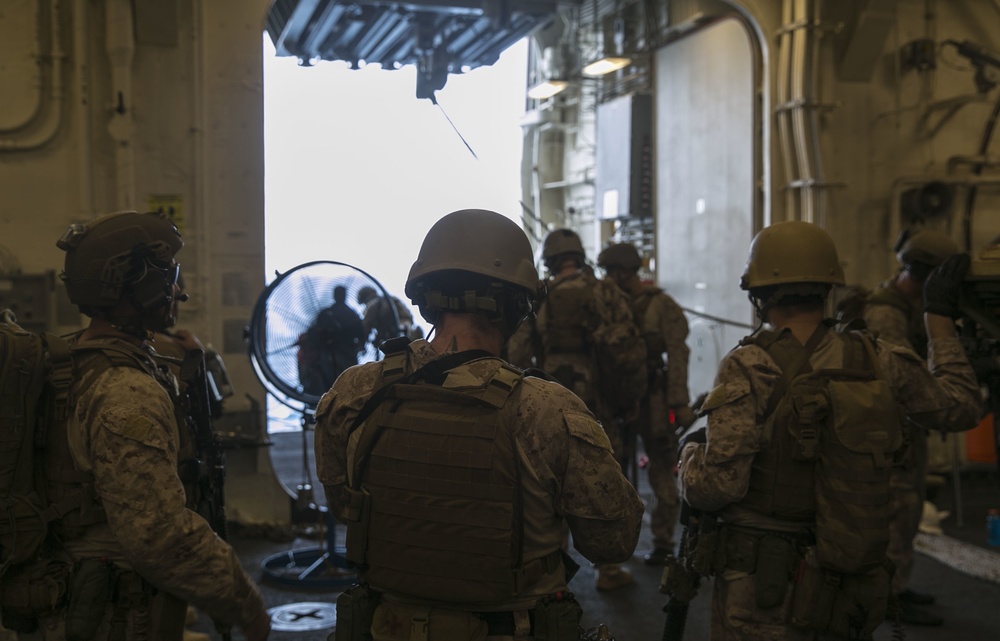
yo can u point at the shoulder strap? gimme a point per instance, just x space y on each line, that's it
115 354
433 372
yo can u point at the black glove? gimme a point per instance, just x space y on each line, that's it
942 288
699 435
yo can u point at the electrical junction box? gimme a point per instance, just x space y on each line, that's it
623 179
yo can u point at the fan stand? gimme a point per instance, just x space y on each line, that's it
322 567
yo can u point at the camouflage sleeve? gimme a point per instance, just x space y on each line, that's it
717 473
943 393
673 326
569 453
335 413
133 450
888 323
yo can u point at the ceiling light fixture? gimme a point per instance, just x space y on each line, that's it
547 89
605 66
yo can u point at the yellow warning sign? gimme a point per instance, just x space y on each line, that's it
170 204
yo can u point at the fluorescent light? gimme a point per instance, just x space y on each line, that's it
605 66
547 89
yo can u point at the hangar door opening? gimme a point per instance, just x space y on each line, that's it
705 122
357 169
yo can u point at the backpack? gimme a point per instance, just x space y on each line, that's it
35 375
576 323
622 371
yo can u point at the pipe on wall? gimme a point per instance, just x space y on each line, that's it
795 113
50 127
81 120
119 44
782 114
811 107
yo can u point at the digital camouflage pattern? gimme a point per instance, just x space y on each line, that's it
909 478
715 475
570 472
530 345
123 430
665 329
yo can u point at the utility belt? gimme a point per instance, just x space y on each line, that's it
82 592
554 618
847 605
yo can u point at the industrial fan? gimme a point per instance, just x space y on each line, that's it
288 311
307 327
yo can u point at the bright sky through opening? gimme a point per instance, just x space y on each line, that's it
358 169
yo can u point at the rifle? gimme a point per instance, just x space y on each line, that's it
682 574
203 405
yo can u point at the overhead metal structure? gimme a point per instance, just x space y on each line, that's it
439 37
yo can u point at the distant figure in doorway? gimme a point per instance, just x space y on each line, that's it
379 319
330 345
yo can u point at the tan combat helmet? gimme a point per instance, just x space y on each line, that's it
562 241
474 248
927 246
792 252
621 256
118 255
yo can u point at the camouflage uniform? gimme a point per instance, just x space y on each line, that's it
665 329
885 316
570 476
715 476
576 370
123 431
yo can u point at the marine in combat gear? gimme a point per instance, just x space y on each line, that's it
456 473
560 341
666 406
894 311
138 551
753 475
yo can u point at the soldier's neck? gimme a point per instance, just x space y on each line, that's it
102 328
464 332
801 324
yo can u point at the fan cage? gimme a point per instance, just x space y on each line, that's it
284 312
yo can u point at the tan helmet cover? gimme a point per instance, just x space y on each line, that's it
621 255
561 241
477 241
792 252
99 253
926 246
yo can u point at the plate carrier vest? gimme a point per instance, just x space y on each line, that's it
436 508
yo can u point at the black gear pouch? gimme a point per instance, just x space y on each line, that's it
771 569
89 596
557 618
355 612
